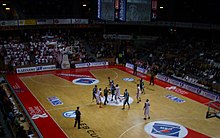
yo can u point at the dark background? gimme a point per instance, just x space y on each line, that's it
174 10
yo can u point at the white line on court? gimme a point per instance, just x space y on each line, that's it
131 128
45 84
68 107
45 109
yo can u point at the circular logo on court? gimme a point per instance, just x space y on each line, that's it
85 81
165 129
113 102
128 79
70 114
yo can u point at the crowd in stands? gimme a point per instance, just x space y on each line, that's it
2 132
100 47
191 59
38 49
180 57
12 115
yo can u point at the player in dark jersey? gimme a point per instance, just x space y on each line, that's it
142 86
109 81
106 95
94 91
126 99
135 69
78 116
112 89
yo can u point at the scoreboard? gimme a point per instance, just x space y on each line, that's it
106 9
125 10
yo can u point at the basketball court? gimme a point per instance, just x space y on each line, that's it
51 98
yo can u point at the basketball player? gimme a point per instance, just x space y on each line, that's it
112 89
146 109
109 81
78 116
94 91
138 96
98 97
106 95
135 69
117 93
142 86
152 75
126 99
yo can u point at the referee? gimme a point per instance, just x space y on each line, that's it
126 97
78 116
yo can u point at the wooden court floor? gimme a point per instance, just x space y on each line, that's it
112 121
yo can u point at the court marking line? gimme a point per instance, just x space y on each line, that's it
131 128
44 109
45 84
67 86
81 105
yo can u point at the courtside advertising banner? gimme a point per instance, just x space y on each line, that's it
80 21
194 89
90 64
27 22
62 21
35 69
130 66
9 23
44 21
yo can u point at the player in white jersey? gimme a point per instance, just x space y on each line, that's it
98 97
117 93
147 109
138 96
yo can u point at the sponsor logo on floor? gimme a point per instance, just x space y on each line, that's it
165 129
128 79
17 88
85 81
90 131
37 112
54 101
70 114
177 90
175 99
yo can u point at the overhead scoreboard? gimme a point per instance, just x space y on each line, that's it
126 10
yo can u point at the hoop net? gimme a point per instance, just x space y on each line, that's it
213 109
